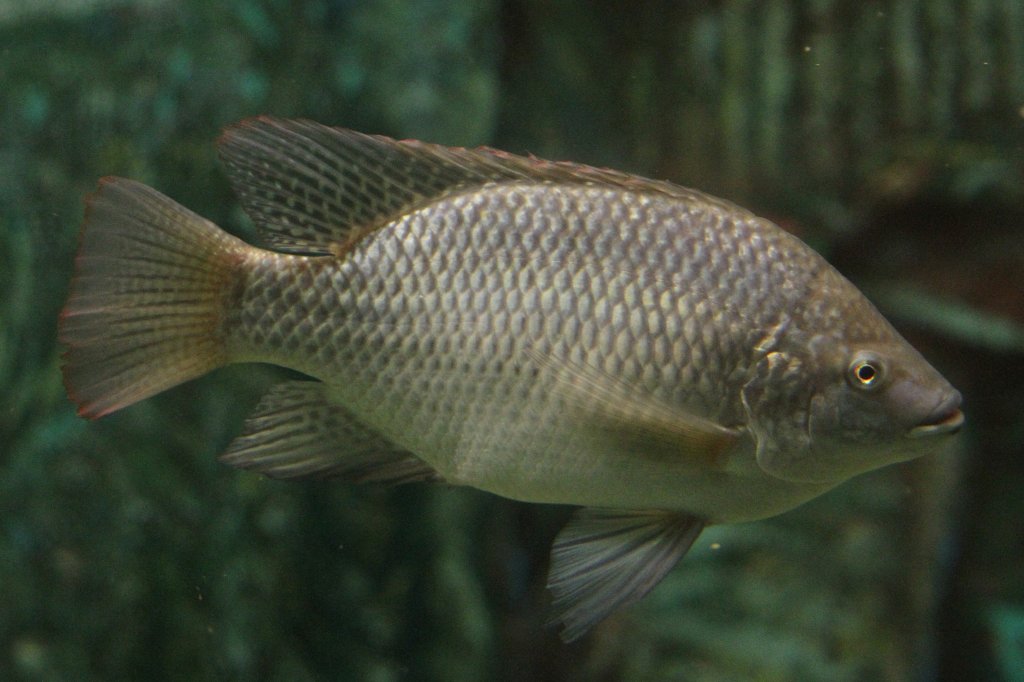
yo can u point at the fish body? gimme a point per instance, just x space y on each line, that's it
547 332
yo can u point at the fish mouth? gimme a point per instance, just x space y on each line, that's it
946 418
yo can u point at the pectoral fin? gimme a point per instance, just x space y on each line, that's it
606 559
296 432
640 422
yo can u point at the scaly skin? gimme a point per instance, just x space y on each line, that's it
430 331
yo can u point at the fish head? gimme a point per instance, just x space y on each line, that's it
872 403
889 400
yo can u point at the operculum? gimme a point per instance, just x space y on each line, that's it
776 401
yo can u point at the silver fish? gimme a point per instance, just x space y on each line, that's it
549 332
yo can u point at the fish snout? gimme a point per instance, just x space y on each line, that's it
947 417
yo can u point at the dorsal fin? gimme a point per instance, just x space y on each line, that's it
311 188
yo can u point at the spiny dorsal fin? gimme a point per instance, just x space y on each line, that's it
295 432
605 559
311 188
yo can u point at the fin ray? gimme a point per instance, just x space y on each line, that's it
296 432
311 188
642 423
147 299
606 559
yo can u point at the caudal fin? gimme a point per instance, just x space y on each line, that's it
147 304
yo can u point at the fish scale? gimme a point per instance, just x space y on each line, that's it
548 332
391 285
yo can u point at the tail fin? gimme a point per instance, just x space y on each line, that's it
148 300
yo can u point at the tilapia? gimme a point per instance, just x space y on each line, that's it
548 332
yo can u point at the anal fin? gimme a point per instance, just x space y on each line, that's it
296 432
605 559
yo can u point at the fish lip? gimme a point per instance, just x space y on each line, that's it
946 418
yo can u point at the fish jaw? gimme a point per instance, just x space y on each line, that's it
946 419
948 425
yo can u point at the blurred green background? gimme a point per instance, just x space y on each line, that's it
888 134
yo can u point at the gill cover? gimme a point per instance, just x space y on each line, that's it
776 402
820 431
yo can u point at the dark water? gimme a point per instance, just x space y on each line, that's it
889 135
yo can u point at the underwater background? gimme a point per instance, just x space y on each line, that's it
887 134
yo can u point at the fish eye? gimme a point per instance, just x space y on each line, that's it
866 371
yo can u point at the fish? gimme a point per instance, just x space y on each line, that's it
549 332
